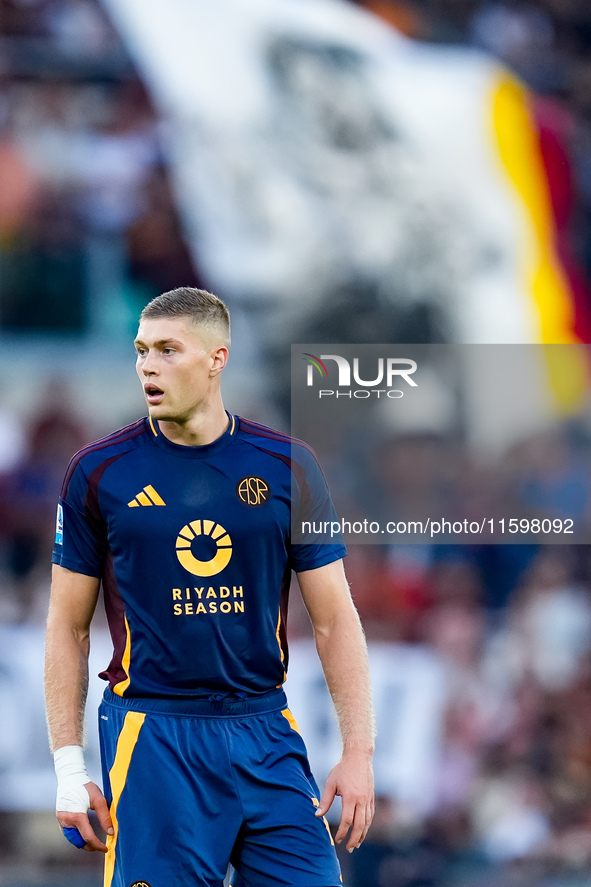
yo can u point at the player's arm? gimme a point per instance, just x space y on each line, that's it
72 605
343 653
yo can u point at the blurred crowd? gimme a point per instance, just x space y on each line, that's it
88 227
510 626
513 776
33 460
89 232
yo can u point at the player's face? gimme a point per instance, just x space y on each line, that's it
178 363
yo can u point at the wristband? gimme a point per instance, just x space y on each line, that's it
70 769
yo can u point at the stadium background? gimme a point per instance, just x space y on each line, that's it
480 655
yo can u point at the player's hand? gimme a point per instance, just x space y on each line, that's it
352 779
79 820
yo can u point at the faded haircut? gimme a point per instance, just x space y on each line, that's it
201 307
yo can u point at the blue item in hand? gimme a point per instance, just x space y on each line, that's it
74 837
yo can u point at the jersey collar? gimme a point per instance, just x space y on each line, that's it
185 452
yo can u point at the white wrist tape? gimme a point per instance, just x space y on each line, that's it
70 770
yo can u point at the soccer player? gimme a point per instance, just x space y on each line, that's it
184 516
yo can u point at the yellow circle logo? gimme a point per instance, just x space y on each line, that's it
215 532
253 490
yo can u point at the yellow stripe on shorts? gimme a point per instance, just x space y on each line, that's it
291 720
118 777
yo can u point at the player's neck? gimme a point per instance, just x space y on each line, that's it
202 428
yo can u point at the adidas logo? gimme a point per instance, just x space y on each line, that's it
148 496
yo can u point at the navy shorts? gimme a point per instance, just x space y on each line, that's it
195 784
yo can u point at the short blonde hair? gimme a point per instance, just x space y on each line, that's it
199 305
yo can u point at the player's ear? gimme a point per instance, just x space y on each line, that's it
219 359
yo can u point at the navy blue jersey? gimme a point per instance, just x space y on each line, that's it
193 548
